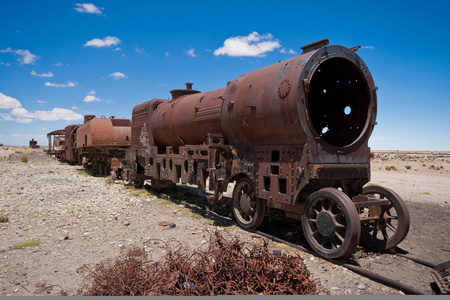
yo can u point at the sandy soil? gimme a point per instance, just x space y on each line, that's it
81 220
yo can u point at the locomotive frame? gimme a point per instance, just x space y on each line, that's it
276 134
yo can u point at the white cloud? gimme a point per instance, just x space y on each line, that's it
58 114
68 84
290 51
24 116
88 8
6 117
74 107
21 112
254 45
25 56
49 74
90 97
106 42
191 53
5 64
23 120
117 75
41 101
368 47
7 102
140 51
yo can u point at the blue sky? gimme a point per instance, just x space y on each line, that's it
60 60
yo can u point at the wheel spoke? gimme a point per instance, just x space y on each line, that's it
391 227
340 237
333 243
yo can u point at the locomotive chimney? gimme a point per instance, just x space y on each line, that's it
181 92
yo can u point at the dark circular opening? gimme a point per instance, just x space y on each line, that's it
338 102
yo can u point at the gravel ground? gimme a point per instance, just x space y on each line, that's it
81 220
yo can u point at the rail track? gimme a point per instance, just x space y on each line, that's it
439 272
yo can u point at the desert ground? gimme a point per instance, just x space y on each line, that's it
80 220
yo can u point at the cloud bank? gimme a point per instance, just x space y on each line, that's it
22 115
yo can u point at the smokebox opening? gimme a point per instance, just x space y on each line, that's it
338 102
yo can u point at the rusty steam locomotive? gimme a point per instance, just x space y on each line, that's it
291 137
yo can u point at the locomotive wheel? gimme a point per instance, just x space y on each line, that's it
393 224
331 223
247 208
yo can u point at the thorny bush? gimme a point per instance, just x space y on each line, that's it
221 268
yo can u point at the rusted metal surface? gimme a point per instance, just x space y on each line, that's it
70 152
101 144
292 128
33 144
441 272
407 289
224 267
441 275
104 132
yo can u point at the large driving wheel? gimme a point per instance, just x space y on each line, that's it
331 223
392 225
248 209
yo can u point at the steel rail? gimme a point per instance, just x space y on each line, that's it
408 290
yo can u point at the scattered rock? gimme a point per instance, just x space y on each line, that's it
126 223
40 284
276 252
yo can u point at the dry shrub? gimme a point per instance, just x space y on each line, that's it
224 268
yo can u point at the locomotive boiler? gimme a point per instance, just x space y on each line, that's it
101 144
292 137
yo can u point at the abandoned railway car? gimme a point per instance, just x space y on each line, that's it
292 137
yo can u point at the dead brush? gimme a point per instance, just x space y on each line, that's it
223 268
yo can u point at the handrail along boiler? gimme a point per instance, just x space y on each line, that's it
292 136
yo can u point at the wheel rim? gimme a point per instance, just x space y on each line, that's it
247 208
393 224
330 223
